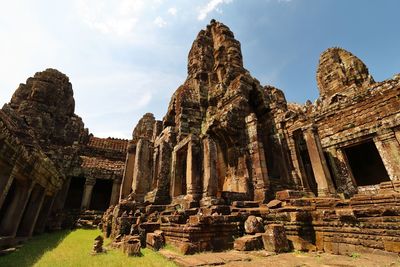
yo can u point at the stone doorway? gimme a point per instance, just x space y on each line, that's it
75 193
309 181
366 164
180 186
101 194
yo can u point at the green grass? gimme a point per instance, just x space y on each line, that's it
72 248
355 255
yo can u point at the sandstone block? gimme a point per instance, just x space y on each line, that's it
131 246
392 246
273 204
155 240
253 225
289 194
248 243
274 239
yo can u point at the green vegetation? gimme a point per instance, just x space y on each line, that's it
72 248
355 255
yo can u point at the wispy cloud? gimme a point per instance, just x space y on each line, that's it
160 22
209 7
172 11
111 17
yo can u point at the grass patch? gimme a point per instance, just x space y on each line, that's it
355 255
172 249
33 250
72 249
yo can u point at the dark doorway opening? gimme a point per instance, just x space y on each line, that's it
8 200
180 176
101 194
366 164
75 193
305 163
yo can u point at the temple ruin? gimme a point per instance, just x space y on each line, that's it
51 169
232 164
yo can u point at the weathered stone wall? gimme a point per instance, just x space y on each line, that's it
352 109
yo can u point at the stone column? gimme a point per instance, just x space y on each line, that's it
285 166
163 176
193 186
318 163
44 214
389 150
127 179
12 216
87 193
142 170
61 195
345 181
298 173
31 213
6 179
116 187
257 155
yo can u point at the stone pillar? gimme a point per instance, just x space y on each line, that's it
61 195
127 179
318 163
31 213
12 217
298 173
163 175
345 181
44 214
257 155
142 170
193 171
87 193
6 179
116 188
210 180
284 163
389 150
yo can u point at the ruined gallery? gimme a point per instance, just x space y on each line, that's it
231 165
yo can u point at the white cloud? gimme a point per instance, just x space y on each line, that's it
172 11
111 17
160 22
211 6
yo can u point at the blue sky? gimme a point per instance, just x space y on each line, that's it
125 58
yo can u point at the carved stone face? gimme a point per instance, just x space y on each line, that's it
340 70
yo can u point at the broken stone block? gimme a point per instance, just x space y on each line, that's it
253 225
248 243
274 204
131 246
274 239
289 194
155 240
